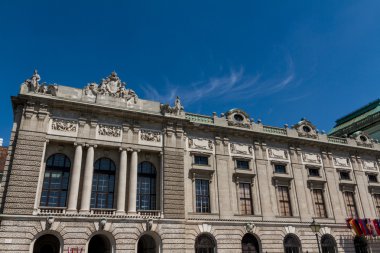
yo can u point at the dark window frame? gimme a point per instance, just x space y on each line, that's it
245 198
104 172
349 200
292 244
312 170
283 169
201 160
205 243
242 164
202 196
344 175
284 203
372 178
146 174
52 170
319 203
376 200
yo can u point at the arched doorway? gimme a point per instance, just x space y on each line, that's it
47 244
292 244
99 244
361 245
146 244
249 244
205 244
328 244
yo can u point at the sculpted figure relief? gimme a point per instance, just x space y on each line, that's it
147 135
111 86
33 85
64 125
176 110
112 131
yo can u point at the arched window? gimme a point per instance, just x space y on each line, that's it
361 245
99 244
146 187
56 181
146 244
328 244
292 244
103 184
205 244
47 244
249 244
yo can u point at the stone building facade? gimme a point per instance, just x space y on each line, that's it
99 169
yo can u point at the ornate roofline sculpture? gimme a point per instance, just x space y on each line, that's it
238 118
176 110
306 129
111 86
33 85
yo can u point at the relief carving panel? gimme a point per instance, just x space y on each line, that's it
201 144
342 162
276 153
109 131
311 158
241 149
369 165
150 135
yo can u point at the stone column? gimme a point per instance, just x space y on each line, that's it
87 180
75 179
133 184
122 184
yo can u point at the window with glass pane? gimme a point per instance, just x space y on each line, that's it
349 199
245 198
372 178
280 168
314 172
200 160
376 198
56 181
242 164
344 175
292 244
103 184
146 186
204 244
328 244
319 203
284 201
202 192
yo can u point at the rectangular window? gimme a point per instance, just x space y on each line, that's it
202 199
245 198
349 199
242 164
284 201
319 203
314 172
280 168
200 160
372 178
376 198
344 175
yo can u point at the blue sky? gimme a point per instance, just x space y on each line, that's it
277 60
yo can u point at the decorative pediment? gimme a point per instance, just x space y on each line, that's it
201 144
241 149
111 86
311 158
306 129
370 165
342 162
238 118
362 139
32 85
276 153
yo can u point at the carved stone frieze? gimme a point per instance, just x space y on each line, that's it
311 158
108 130
342 162
369 165
176 110
278 153
201 143
241 149
32 84
111 86
150 135
64 125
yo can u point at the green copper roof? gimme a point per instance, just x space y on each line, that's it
357 115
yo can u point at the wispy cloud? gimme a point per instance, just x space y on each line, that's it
236 85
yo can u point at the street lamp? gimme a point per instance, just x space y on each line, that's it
315 227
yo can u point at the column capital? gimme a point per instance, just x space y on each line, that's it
124 149
91 145
79 144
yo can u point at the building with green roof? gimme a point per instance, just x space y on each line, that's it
365 119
